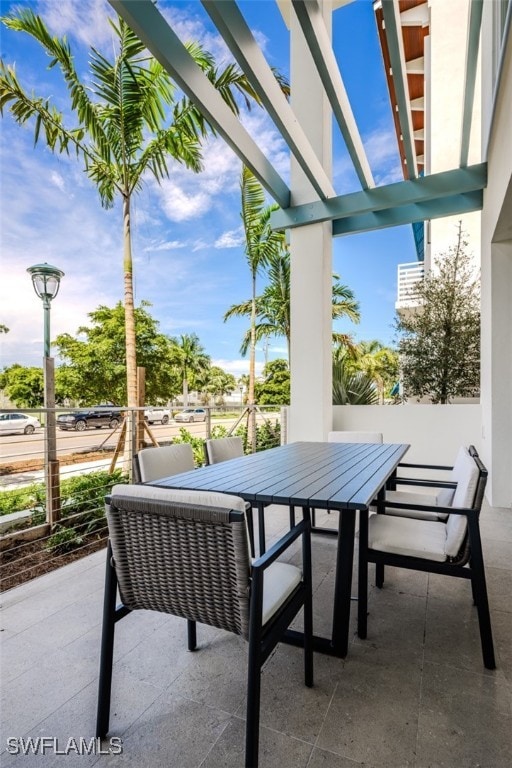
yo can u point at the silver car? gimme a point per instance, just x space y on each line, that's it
191 414
18 422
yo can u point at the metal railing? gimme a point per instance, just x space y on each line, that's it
408 277
89 462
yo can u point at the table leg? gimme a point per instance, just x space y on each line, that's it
261 528
343 582
362 590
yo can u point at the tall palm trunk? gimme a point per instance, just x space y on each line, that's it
251 423
129 307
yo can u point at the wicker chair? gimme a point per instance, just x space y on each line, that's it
155 463
450 546
186 553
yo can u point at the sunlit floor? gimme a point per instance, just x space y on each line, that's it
415 693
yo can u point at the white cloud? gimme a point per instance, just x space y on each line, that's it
170 245
85 22
237 367
58 180
231 239
382 151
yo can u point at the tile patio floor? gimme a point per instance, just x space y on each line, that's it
415 693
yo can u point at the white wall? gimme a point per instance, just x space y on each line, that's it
435 432
496 377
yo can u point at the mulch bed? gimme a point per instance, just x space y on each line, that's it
27 560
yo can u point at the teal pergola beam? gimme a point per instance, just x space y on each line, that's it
154 31
473 42
413 192
317 38
226 16
408 214
391 14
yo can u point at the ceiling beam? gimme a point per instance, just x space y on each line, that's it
408 214
391 14
154 31
226 16
404 193
472 45
319 43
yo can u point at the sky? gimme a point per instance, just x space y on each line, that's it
188 253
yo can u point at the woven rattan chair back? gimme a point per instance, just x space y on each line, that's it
182 559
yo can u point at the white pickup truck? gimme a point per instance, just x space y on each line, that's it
152 415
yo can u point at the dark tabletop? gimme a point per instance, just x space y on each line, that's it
323 475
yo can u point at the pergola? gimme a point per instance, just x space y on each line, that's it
310 208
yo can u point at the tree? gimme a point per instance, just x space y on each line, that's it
23 386
439 344
214 383
349 386
261 244
378 362
273 305
121 135
190 359
94 369
275 389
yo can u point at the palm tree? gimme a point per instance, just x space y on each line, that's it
273 306
261 244
129 123
349 386
191 359
378 362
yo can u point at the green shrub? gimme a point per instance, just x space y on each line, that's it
18 498
63 540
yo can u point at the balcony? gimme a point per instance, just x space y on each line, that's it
408 277
415 693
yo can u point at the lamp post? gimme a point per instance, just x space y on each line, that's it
46 282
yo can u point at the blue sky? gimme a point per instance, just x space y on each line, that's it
187 247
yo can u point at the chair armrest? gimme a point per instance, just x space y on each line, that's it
424 466
467 511
427 483
263 562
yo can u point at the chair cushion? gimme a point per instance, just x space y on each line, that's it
465 473
279 581
456 527
179 495
405 536
427 499
224 448
165 460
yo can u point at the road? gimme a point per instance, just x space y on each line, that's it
25 447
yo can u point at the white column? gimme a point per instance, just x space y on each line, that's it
497 275
310 415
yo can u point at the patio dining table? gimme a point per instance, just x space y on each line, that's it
334 476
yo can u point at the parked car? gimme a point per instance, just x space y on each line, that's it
18 422
191 414
97 417
153 415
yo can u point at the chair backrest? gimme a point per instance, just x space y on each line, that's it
222 449
155 463
354 437
471 477
182 552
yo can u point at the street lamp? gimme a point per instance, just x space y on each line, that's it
46 282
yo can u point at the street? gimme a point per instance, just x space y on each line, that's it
14 448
